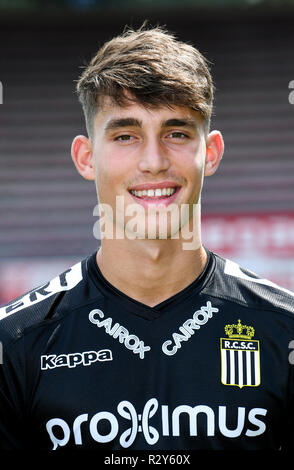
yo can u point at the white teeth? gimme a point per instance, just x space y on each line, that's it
154 193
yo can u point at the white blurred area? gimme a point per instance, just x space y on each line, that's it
262 243
18 277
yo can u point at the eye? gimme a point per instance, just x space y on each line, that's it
124 138
177 135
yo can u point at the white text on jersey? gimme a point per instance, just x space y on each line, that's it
200 317
85 358
131 342
65 281
171 424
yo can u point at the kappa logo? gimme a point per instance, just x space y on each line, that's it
240 356
86 358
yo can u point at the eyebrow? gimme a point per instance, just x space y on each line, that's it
184 122
133 122
123 122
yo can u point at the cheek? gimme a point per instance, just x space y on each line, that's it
191 164
192 167
199 159
111 173
106 168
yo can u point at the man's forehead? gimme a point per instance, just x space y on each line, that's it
110 111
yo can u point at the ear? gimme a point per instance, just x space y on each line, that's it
214 152
81 153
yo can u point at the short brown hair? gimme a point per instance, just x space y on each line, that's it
154 68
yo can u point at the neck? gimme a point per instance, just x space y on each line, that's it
150 271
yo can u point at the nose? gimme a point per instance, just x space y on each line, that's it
153 158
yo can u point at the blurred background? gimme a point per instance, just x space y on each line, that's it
46 208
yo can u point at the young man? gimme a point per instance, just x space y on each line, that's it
153 342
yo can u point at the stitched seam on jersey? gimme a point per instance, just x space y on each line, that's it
253 306
25 378
49 321
11 353
289 400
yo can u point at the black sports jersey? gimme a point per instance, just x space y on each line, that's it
85 366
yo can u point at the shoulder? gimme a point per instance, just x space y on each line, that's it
41 303
239 284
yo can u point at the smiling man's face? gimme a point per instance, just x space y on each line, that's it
153 159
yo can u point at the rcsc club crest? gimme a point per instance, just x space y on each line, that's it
240 356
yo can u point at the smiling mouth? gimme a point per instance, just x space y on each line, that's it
158 193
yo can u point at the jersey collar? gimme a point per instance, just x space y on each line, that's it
139 308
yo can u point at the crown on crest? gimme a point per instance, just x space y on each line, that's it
239 331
